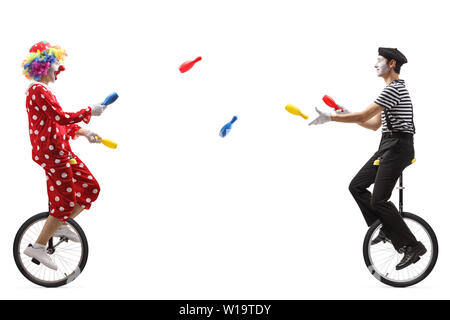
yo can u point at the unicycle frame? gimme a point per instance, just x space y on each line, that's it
400 194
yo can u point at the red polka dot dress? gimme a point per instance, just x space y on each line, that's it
50 131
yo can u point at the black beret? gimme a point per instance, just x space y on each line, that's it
393 53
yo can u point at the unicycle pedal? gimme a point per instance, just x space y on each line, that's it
34 260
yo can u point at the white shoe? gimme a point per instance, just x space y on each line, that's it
40 255
64 231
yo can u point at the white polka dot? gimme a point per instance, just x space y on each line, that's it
67 116
52 170
36 132
81 165
90 177
88 200
52 188
84 185
42 96
43 165
28 110
36 158
61 209
51 147
95 191
64 175
36 108
66 217
74 180
44 108
34 117
56 198
31 103
33 97
83 206
42 138
78 173
53 211
49 129
57 118
34 87
69 189
57 161
61 153
41 123
72 204
54 136
57 130
58 182
38 148
31 131
78 194
64 137
62 145
68 165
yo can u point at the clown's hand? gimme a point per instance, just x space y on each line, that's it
92 137
323 117
98 109
344 110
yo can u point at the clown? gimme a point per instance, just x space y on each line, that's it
393 111
71 187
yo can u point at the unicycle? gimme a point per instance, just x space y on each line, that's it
382 258
70 257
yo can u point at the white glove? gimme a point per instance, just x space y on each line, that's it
91 136
323 117
98 109
344 110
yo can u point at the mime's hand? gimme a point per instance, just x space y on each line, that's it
344 110
323 117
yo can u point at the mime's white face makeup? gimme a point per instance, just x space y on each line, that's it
381 66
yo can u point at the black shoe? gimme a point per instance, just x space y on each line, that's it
380 237
412 255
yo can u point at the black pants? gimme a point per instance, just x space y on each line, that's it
395 153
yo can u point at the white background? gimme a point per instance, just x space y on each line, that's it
264 213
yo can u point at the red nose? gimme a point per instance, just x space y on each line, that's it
60 69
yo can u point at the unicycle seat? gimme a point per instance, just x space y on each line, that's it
377 162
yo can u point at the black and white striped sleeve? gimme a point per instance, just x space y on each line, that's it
389 97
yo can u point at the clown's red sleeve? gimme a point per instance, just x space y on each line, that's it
47 102
72 130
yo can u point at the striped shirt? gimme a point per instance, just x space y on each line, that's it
398 107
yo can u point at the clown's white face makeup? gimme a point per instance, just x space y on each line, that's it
381 66
53 71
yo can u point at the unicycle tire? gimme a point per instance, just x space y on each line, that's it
25 264
426 235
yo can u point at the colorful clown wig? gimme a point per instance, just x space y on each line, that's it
42 55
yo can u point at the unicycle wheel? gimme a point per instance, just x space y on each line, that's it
70 257
382 258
